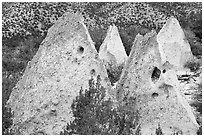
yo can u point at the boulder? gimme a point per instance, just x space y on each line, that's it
173 45
112 51
65 62
151 90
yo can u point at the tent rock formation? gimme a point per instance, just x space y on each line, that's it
173 44
150 88
112 51
66 60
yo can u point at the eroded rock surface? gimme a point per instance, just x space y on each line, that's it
151 88
112 51
173 45
65 62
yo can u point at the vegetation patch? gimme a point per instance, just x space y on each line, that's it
193 65
95 115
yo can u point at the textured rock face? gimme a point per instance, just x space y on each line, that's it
173 44
150 88
112 50
66 60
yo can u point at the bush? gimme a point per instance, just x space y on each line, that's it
196 49
195 42
92 114
199 132
195 23
159 131
193 65
197 97
6 121
197 104
95 115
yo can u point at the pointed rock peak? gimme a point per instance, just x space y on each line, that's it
138 49
65 62
152 91
69 25
172 30
144 56
67 21
113 29
112 49
173 44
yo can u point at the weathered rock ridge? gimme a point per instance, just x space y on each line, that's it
151 88
65 62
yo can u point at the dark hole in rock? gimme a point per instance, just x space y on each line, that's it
155 95
164 71
93 72
155 74
53 112
38 110
81 50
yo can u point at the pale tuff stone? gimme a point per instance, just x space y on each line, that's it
173 45
65 62
152 90
112 51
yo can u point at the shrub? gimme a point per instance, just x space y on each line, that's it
197 97
95 115
6 121
197 104
199 132
196 49
159 130
195 23
193 65
195 42
92 114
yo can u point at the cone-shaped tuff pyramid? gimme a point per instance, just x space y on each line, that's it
173 45
151 91
112 50
65 62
